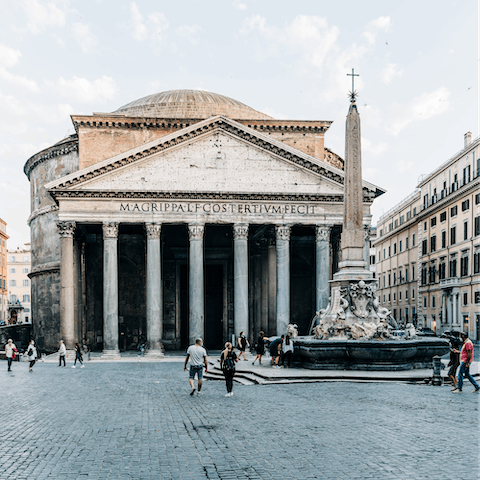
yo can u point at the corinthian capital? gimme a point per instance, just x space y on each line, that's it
283 232
66 229
322 233
153 230
195 232
110 229
240 231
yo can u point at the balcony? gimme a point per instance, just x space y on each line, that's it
450 282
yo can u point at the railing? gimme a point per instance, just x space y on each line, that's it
399 204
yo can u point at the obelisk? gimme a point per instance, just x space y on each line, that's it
352 265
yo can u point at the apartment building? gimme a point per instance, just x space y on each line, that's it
443 253
3 273
19 266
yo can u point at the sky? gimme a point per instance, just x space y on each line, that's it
418 64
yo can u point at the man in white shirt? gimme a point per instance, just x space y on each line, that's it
198 359
10 353
62 351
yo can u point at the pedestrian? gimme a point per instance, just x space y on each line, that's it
228 358
11 353
62 352
197 356
242 345
32 354
260 348
287 350
78 356
466 358
453 363
276 350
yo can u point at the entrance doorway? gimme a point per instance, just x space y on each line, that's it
214 306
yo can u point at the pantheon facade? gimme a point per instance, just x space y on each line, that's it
183 214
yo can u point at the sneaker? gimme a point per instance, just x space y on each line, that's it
457 390
454 388
73 366
192 392
199 393
231 394
83 366
227 395
476 390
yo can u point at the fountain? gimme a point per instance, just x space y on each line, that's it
354 331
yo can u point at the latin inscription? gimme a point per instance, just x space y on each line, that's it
228 208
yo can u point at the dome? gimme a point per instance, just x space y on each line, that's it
189 104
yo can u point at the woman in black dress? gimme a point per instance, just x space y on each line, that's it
260 347
228 358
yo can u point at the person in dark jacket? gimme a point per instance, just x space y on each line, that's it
228 358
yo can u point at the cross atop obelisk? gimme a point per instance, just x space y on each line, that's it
353 93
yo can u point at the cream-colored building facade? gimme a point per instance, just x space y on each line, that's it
434 254
3 272
19 296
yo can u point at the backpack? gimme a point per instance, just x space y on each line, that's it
229 362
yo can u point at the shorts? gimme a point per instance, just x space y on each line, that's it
452 370
196 369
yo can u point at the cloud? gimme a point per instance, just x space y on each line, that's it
154 27
239 5
274 114
18 80
43 15
84 37
9 56
424 107
390 71
373 149
84 91
189 32
381 23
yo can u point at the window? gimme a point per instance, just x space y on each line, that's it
402 219
477 297
400 246
477 198
444 239
372 259
384 282
465 205
12 270
12 259
25 270
389 251
26 319
433 302
424 274
443 216
381 231
453 211
465 298
399 296
26 298
452 267
466 174
465 230
394 298
26 258
413 272
477 226
406 274
26 283
396 223
453 235
424 302
413 240
409 216
406 294
433 243
414 211
433 221
13 283
464 266
26 310
390 227
424 247
389 297
424 226
394 278
389 280
394 248
442 269
476 262
431 273
413 294
13 298
384 299
406 243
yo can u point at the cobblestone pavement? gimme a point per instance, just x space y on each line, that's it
137 421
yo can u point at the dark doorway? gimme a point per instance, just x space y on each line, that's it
184 324
214 306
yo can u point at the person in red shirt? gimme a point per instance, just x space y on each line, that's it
466 358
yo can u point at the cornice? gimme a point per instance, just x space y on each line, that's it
179 196
217 123
41 211
53 151
44 269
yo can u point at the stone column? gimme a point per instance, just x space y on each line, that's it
366 248
454 309
154 290
240 267
283 278
67 282
322 266
444 309
110 290
196 294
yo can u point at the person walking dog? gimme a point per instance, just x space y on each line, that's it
197 356
228 358
10 353
62 352
32 354
466 358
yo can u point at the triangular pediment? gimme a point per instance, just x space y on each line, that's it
217 156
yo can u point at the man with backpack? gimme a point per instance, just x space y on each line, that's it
198 360
228 358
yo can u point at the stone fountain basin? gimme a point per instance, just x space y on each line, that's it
369 354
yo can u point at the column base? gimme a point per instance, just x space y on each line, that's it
155 353
111 355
